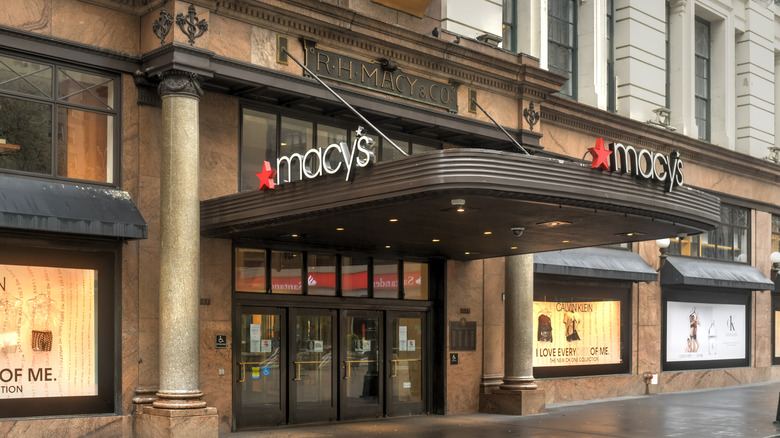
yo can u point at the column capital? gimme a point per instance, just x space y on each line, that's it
677 6
180 82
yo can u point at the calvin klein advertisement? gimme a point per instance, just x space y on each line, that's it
576 333
47 332
704 331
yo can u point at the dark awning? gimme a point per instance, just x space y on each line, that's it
33 205
406 207
689 271
612 264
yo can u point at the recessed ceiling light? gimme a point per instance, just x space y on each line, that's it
394 220
565 241
387 246
631 234
512 247
339 229
436 240
487 233
553 223
293 235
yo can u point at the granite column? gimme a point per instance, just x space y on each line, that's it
180 243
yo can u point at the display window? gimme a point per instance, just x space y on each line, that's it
580 330
775 329
56 332
703 329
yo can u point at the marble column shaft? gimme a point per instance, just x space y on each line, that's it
518 323
180 244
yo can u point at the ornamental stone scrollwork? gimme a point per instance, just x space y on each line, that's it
180 82
531 116
191 26
162 25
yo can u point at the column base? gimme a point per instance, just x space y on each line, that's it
153 422
518 402
490 383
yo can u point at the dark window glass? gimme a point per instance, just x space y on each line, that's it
57 115
415 281
321 274
562 49
286 272
354 276
250 270
611 92
385 278
509 26
258 144
25 135
297 137
775 233
728 242
702 86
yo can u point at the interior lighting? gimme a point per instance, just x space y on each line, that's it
459 204
551 224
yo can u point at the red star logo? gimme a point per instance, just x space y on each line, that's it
600 156
266 176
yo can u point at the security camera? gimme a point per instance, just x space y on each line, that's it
518 231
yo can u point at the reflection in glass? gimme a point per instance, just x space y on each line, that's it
85 89
250 270
386 279
313 362
85 148
260 375
286 272
390 153
415 281
354 276
25 77
322 274
25 135
326 136
362 367
258 144
406 372
296 138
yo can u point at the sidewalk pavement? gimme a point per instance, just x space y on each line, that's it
741 411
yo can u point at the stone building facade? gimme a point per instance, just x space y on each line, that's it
220 215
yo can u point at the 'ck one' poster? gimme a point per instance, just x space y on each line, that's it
704 331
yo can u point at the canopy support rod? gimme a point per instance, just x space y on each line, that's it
500 127
381 134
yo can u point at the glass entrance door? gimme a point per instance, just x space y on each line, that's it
312 374
405 363
260 397
361 365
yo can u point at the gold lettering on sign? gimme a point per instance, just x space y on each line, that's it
387 81
323 59
348 69
372 74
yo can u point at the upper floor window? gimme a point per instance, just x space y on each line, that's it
702 67
562 42
58 121
611 92
728 242
775 233
509 25
267 135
